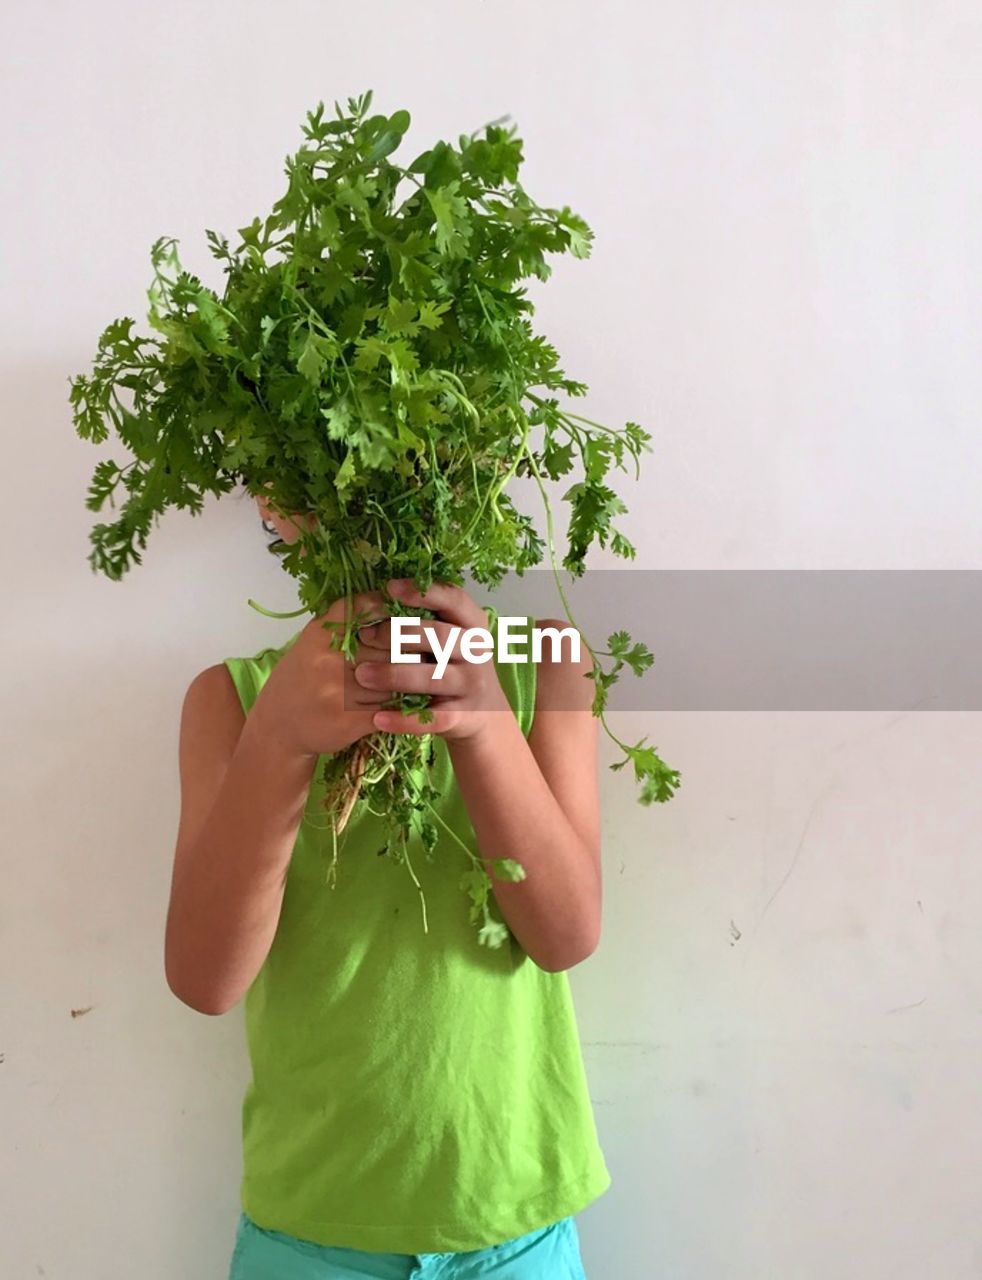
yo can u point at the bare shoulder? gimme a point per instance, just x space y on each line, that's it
213 689
211 725
212 713
563 682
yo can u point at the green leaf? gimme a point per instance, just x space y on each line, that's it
557 459
508 869
622 547
579 235
619 643
492 933
658 781
385 146
399 315
431 314
312 361
477 886
346 473
451 211
103 483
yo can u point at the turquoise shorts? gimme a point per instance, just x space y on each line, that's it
549 1253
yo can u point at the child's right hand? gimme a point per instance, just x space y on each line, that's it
311 703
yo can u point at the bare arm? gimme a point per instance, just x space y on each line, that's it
244 787
536 800
242 800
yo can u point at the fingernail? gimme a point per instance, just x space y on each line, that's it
365 672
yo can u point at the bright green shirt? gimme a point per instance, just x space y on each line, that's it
411 1092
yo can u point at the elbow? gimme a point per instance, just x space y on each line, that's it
189 978
200 1002
191 994
560 964
572 953
578 943
210 1008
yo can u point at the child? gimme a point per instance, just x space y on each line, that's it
418 1103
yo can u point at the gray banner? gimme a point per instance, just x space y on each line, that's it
778 640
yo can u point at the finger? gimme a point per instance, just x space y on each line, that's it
431 634
364 653
451 603
362 608
419 677
446 716
346 612
375 636
356 696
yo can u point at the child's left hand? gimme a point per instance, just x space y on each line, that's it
468 695
532 800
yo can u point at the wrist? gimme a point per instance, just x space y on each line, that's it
494 732
261 735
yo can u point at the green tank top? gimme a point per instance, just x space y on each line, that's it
411 1092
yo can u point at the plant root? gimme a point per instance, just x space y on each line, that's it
342 795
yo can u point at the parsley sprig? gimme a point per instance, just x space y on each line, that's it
371 359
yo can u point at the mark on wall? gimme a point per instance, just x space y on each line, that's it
78 1013
901 1007
646 1046
801 841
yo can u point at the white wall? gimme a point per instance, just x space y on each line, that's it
782 1026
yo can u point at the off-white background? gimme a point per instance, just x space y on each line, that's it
782 1025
